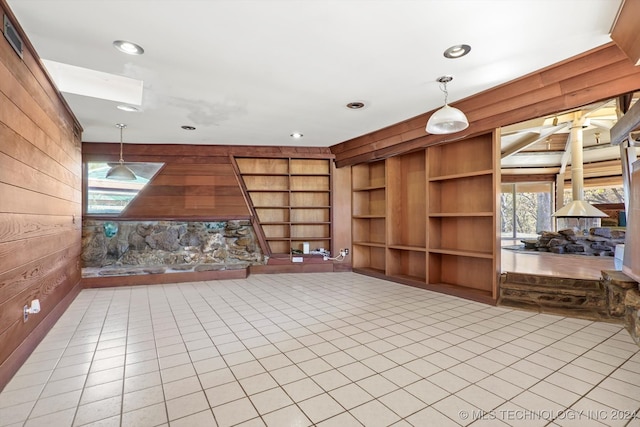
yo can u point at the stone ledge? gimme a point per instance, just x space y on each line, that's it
158 279
613 298
555 295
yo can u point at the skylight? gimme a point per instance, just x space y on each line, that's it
95 84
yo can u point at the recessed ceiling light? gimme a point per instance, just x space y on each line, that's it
296 135
128 47
128 108
457 51
355 105
187 127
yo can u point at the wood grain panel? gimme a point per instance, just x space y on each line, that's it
209 169
22 175
40 86
20 226
191 190
13 117
218 194
25 276
185 200
18 330
18 200
180 181
27 104
26 346
40 184
43 289
20 149
19 252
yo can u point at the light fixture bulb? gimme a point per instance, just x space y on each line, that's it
128 47
447 119
128 108
457 51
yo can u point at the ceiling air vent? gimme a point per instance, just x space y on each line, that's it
12 36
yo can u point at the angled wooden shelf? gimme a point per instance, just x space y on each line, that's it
291 200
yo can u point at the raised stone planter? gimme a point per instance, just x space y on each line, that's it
122 248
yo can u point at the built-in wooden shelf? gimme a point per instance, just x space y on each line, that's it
429 218
408 248
461 175
460 214
373 244
291 200
461 253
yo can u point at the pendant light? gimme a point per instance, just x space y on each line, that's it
447 119
120 172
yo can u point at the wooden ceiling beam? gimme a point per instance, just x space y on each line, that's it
529 141
629 122
625 30
599 74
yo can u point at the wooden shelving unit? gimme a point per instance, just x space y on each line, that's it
291 199
463 238
369 217
407 237
429 218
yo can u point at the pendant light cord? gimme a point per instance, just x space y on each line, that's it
121 126
443 88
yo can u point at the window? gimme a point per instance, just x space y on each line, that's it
110 196
599 195
526 209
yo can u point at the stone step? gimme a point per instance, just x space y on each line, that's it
554 295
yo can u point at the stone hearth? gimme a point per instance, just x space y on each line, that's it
111 248
600 241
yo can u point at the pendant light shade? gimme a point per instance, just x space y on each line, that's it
120 172
447 119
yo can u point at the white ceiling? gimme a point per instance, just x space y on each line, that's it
254 71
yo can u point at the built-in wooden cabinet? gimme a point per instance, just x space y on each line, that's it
291 198
429 218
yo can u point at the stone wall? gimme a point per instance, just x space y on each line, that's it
135 247
601 241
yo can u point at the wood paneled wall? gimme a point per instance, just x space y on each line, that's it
208 191
40 203
196 182
599 74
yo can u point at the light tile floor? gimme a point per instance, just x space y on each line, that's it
326 349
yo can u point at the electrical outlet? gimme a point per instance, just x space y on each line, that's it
25 312
344 252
